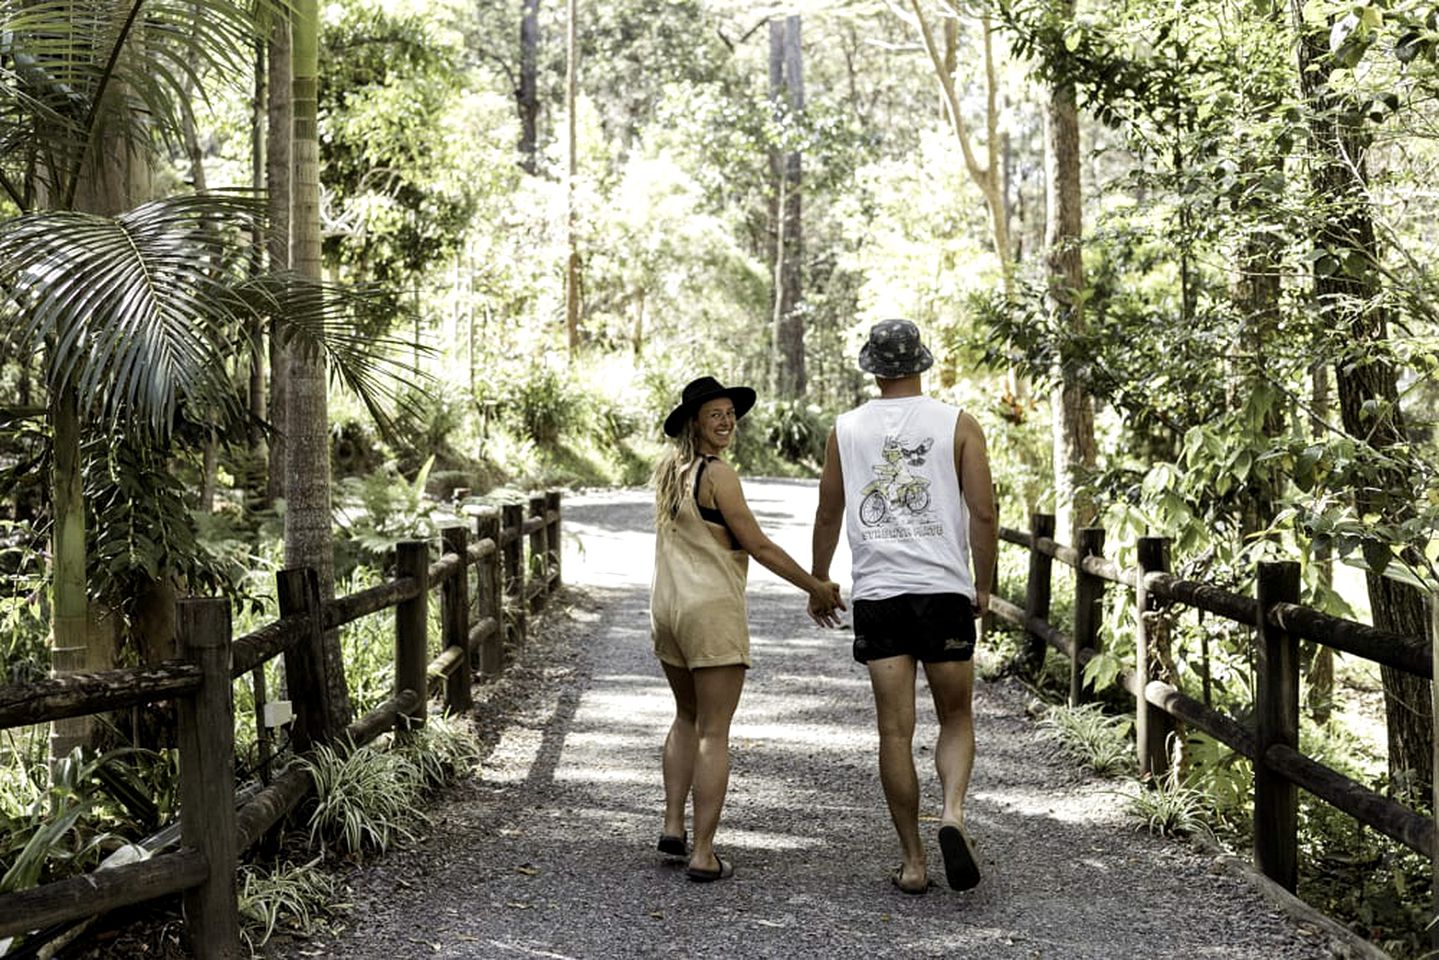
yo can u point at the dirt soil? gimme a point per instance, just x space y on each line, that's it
549 852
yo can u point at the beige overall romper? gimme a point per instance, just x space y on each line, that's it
698 616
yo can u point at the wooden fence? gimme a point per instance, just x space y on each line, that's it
213 834
1272 742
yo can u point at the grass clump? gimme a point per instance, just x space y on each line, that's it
444 751
1098 741
299 896
1168 808
364 797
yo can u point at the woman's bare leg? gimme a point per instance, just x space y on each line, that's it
680 745
717 692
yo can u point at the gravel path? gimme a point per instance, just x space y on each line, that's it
550 852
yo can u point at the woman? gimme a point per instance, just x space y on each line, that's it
705 535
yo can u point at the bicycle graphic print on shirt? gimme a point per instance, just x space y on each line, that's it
895 494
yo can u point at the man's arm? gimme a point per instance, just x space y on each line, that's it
971 462
829 518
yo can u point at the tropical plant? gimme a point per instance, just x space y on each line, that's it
135 311
1169 808
295 895
445 750
364 797
1098 741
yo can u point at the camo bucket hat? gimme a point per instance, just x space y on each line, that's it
894 350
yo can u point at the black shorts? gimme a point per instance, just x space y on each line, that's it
931 627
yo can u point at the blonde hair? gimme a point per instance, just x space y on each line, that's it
669 490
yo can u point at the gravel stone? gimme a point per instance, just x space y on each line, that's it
550 851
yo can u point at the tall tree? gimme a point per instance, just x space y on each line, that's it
1073 408
308 535
528 93
989 175
279 131
572 170
786 84
1349 300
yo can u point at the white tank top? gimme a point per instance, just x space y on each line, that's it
908 523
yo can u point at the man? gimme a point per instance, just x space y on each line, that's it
909 477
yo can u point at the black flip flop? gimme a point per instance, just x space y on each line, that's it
674 846
960 868
894 878
724 872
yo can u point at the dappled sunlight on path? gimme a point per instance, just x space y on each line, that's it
551 852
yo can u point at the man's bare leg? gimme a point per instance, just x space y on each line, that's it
952 686
893 681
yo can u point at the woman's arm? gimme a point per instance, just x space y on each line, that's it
729 497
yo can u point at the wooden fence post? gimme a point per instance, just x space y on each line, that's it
1434 712
552 537
1088 612
514 519
539 554
1151 725
1037 591
455 615
491 590
207 779
412 559
1276 799
298 589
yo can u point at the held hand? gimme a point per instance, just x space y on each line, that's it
823 603
981 605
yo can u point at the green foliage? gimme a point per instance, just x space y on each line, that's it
783 437
294 896
445 751
376 512
547 403
1168 808
1098 741
365 797
388 85
50 820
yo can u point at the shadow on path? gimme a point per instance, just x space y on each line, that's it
550 853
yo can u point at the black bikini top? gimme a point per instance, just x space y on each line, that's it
712 514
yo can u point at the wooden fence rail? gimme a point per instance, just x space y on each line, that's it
476 623
1272 741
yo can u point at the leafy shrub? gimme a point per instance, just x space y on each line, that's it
297 895
1169 808
364 798
547 403
1098 741
446 750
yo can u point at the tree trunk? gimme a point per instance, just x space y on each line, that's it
787 95
1348 301
572 268
256 391
1256 298
1073 414
307 444
279 130
83 635
528 93
1321 667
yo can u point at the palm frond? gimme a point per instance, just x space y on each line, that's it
75 67
322 318
136 308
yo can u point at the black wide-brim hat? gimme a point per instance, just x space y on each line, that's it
894 350
697 393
